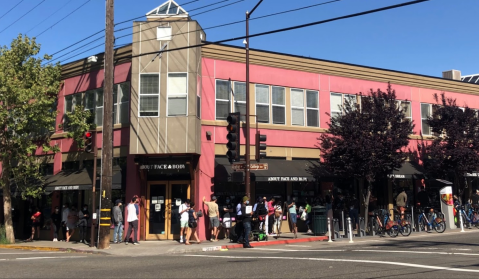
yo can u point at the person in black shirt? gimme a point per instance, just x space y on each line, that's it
56 222
246 221
475 198
227 211
83 216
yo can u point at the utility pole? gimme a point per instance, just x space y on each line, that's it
93 194
107 144
248 144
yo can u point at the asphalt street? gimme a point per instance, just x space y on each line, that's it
452 254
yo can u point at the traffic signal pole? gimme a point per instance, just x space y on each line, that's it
247 141
93 191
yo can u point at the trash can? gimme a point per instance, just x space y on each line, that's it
320 220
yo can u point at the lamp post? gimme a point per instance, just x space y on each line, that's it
248 145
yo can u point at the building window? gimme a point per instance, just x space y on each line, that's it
297 107
406 108
222 99
262 103
177 94
149 94
99 107
312 107
239 94
426 111
278 105
338 100
163 33
121 101
71 101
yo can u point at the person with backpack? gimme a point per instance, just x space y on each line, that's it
192 224
261 212
228 210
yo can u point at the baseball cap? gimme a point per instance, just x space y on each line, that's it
213 198
118 201
245 198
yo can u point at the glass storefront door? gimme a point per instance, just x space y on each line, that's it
163 201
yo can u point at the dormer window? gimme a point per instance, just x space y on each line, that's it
168 9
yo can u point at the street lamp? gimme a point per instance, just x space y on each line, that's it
247 155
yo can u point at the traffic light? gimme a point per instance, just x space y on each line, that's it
260 145
233 137
88 142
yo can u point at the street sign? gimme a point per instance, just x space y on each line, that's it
253 167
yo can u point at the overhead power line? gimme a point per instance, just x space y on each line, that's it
11 9
63 18
183 33
96 33
97 39
22 16
49 17
290 28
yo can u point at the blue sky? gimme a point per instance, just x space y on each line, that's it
425 38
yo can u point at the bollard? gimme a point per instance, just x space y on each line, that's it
342 223
413 225
372 229
462 225
329 230
350 233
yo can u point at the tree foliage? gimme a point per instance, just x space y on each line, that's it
78 122
368 139
454 150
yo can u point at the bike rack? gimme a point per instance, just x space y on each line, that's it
337 233
362 227
372 231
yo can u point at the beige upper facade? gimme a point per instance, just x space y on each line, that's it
165 87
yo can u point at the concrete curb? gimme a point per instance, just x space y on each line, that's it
50 249
277 242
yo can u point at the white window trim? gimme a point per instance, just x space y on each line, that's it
177 95
308 108
429 114
233 97
293 107
263 104
343 99
140 94
399 102
223 100
275 105
119 104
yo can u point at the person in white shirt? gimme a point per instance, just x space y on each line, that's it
183 211
132 218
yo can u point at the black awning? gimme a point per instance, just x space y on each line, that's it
279 170
408 170
80 180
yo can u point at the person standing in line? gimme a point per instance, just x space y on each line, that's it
269 223
228 210
132 219
56 222
84 216
293 217
401 201
214 217
307 208
246 222
183 211
354 213
71 222
65 212
278 218
239 223
118 222
192 224
35 223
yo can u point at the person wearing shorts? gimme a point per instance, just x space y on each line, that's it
71 223
183 211
401 200
228 209
214 217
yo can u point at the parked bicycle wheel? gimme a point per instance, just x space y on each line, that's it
423 225
393 232
440 227
406 230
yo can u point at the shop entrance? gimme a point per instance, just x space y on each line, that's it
162 208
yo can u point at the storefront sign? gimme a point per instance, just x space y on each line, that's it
163 167
60 188
474 174
287 178
253 166
396 175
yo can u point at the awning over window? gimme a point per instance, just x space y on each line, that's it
79 180
408 170
279 170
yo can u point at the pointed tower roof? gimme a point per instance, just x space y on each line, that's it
168 9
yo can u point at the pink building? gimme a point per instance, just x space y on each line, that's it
170 118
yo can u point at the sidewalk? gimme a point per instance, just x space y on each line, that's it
152 248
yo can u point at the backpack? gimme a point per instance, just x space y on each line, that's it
261 209
199 213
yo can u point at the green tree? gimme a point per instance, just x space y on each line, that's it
28 96
367 140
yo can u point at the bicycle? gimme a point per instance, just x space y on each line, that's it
469 218
437 223
403 226
386 225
